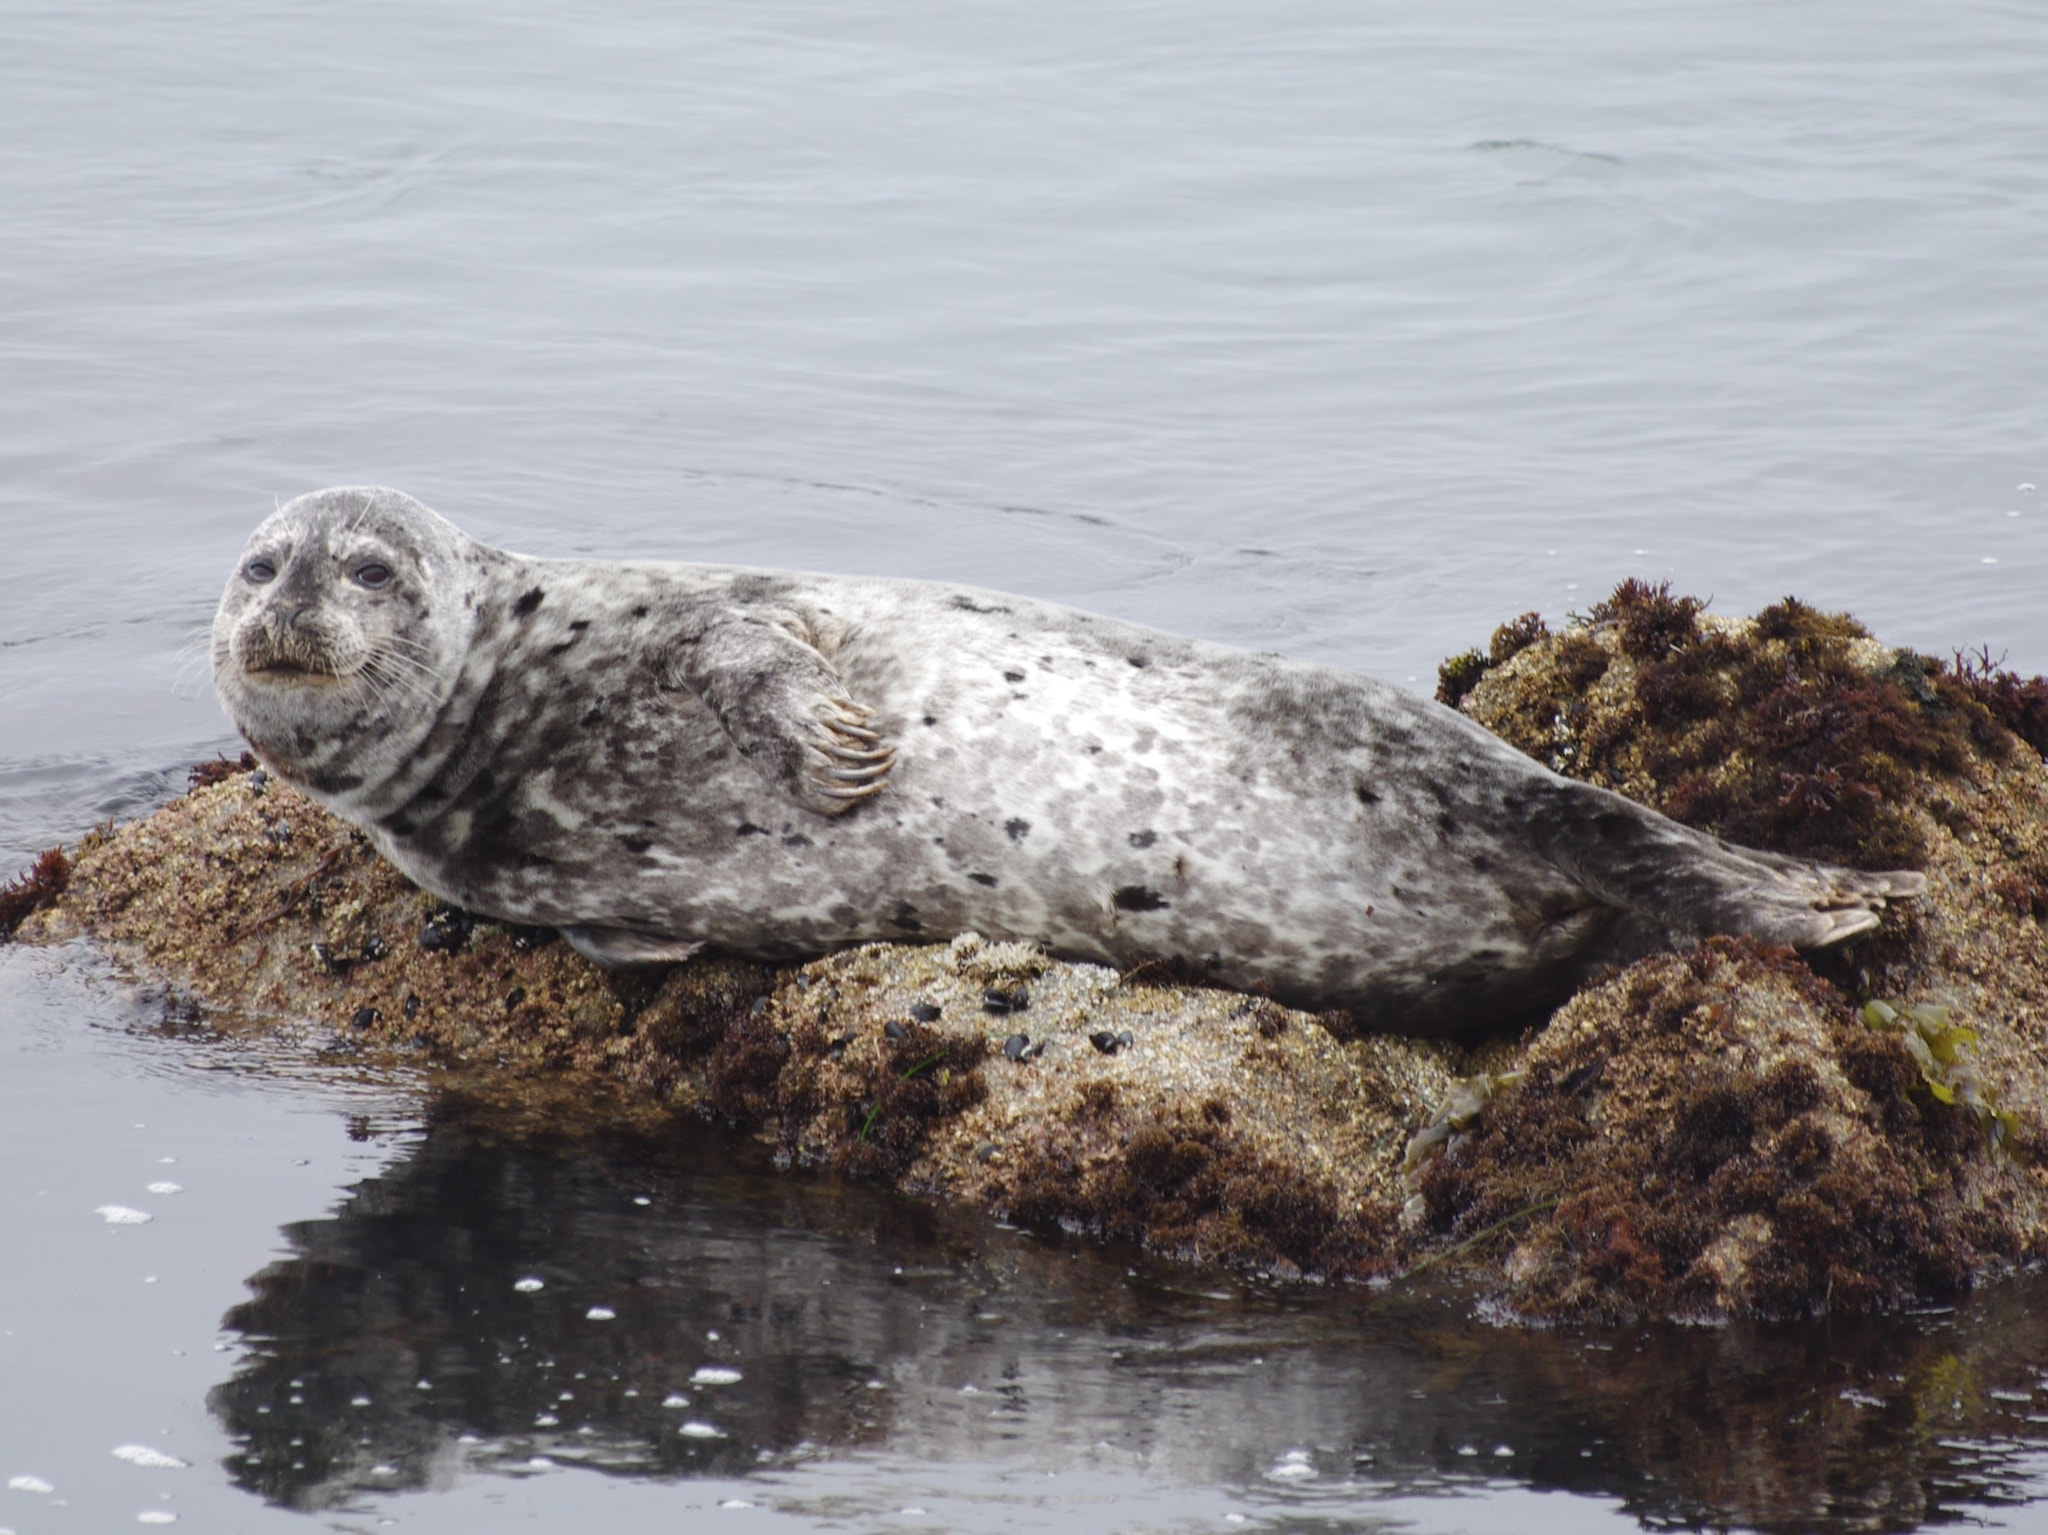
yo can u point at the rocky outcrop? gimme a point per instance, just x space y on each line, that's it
1732 1130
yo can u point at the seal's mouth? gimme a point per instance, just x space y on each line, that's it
278 669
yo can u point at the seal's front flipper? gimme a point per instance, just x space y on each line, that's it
1694 885
617 946
785 707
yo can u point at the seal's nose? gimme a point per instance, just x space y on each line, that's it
287 616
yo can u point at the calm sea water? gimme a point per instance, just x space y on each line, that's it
1348 331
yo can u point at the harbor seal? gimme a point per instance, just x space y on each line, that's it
656 756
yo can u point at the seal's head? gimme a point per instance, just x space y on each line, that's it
342 633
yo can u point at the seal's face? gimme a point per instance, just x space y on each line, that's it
341 632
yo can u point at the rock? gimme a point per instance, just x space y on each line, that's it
446 930
1727 1131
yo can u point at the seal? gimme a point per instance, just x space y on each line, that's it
652 757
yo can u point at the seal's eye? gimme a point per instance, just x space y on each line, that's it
260 571
373 575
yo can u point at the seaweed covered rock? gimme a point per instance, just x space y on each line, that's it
1712 1134
1740 1130
1731 1130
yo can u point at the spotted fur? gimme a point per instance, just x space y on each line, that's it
654 756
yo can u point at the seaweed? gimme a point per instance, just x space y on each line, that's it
38 886
1516 636
1696 1187
204 775
1188 1187
1946 1053
2018 704
1778 734
918 1081
1460 674
1653 624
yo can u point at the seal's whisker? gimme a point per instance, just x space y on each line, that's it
385 655
364 689
385 682
194 653
361 512
189 670
402 670
398 648
399 660
384 689
399 669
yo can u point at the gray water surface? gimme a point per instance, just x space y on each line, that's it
1347 331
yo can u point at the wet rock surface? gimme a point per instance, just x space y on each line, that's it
1728 1131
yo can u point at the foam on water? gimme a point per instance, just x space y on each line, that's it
1295 1465
150 1459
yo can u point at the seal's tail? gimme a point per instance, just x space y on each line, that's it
1694 885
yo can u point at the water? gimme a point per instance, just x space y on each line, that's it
1342 331
367 1302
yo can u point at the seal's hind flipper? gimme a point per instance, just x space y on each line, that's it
785 707
1694 885
1810 905
617 946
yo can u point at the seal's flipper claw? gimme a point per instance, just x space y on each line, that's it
848 754
850 795
849 762
1844 924
784 705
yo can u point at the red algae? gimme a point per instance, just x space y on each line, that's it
40 886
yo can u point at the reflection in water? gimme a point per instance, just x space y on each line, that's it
699 1312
